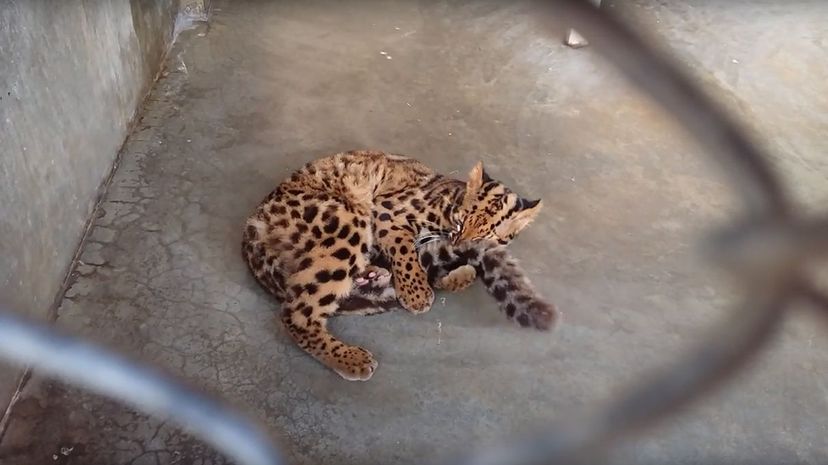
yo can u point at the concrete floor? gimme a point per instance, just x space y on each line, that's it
271 85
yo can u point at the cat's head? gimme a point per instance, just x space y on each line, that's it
491 211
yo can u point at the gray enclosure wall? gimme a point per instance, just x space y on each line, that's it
72 75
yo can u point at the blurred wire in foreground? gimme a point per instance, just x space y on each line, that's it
767 250
106 373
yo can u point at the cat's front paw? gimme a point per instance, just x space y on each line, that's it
458 279
416 299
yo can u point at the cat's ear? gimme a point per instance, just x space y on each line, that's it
486 177
476 178
527 212
475 182
524 204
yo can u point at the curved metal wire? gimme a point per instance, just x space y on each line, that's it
781 244
673 90
768 253
111 375
584 439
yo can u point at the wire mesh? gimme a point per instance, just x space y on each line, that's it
767 249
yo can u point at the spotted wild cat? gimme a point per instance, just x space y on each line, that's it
309 242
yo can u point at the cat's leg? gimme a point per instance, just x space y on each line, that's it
372 293
410 279
323 279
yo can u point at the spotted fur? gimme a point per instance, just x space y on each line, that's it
309 241
454 268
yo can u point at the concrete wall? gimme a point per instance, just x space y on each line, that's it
72 75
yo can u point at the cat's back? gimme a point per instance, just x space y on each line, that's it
361 170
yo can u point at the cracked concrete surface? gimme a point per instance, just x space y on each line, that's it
272 85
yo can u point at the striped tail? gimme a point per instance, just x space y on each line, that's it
514 293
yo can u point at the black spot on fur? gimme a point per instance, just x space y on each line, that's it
292 203
489 263
403 250
342 253
385 217
295 237
338 275
251 232
309 245
364 248
432 273
323 276
499 293
470 254
344 232
444 255
327 300
387 204
523 320
354 240
317 233
304 264
332 225
311 288
382 233
310 213
329 242
426 259
307 311
510 310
